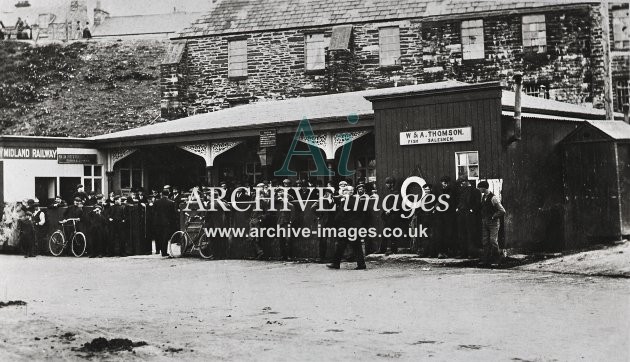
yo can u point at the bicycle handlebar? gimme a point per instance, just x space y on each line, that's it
68 220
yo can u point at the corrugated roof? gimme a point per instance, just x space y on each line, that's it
268 112
617 130
541 104
330 106
145 24
238 16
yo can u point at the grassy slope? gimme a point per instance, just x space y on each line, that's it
81 89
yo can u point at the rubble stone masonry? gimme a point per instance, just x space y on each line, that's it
570 70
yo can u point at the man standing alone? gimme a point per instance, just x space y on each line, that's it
165 221
491 212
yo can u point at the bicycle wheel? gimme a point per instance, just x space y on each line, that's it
78 244
177 244
205 247
56 243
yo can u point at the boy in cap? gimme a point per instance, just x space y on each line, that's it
39 222
491 212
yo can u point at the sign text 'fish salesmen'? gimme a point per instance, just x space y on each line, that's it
428 136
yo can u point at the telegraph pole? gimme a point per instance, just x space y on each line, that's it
608 91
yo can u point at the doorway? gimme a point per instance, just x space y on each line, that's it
67 187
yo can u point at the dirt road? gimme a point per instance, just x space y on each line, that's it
190 309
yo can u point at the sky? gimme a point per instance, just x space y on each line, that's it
123 7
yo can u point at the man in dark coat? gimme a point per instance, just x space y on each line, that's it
165 221
26 231
80 193
117 217
447 220
469 202
284 220
491 213
352 216
325 219
97 236
393 217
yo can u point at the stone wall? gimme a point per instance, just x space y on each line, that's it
571 69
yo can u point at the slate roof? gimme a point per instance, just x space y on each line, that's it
145 24
330 106
239 16
269 112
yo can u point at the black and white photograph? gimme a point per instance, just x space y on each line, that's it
315 180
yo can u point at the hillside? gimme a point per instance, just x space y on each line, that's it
81 89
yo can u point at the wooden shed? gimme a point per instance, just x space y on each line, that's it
596 176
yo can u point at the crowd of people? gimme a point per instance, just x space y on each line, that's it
472 217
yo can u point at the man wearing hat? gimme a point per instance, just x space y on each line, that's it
392 216
491 213
80 193
165 221
351 217
39 222
117 221
468 204
96 232
25 229
259 218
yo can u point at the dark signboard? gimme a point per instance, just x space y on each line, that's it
84 159
268 138
35 153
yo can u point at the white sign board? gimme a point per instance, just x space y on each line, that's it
444 135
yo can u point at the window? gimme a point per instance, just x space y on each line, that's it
622 90
467 164
365 167
253 172
534 34
130 174
389 46
621 34
536 90
93 178
314 51
237 58
472 39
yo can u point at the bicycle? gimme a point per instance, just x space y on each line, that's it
181 242
57 242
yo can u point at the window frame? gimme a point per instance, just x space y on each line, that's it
92 177
538 44
236 54
472 50
529 89
320 49
617 22
621 93
384 50
467 165
130 166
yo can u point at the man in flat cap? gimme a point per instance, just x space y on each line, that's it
80 193
491 213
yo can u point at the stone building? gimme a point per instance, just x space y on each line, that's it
246 51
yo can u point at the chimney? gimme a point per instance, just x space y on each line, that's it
99 14
518 82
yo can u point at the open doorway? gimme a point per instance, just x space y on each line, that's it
67 187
